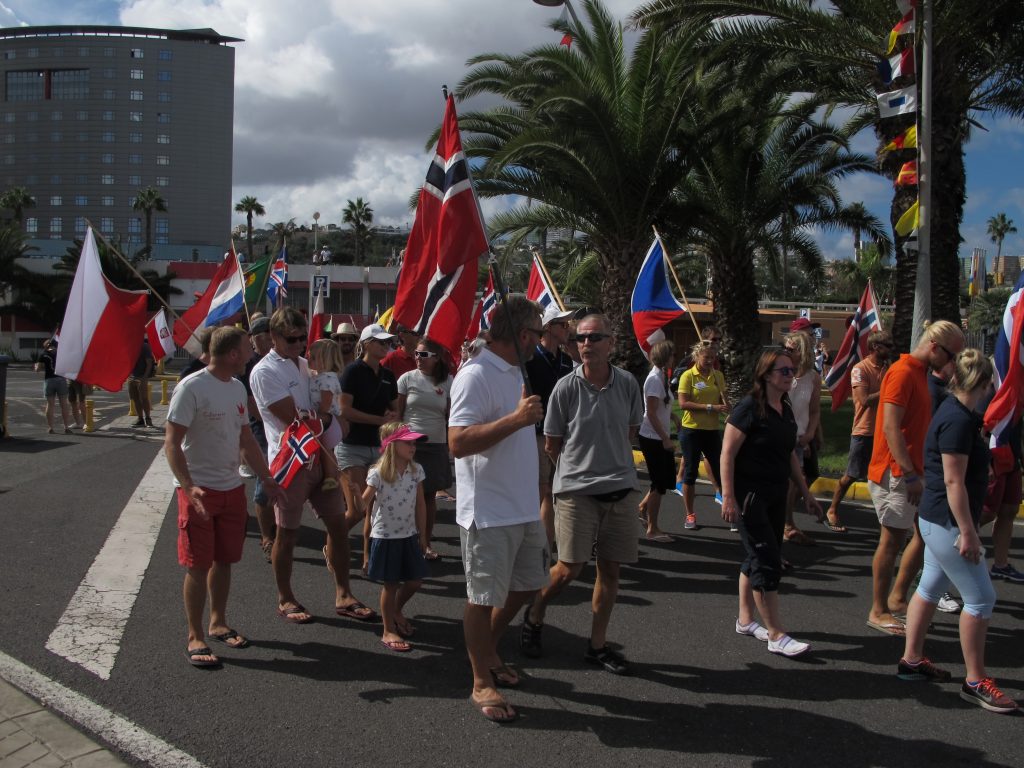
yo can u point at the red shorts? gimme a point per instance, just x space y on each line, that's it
1003 490
219 536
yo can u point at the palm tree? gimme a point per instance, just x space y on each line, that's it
17 199
833 50
852 276
358 215
250 206
280 232
597 137
998 228
148 200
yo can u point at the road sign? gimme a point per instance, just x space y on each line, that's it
322 283
805 313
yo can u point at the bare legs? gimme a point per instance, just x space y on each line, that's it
885 600
766 603
199 581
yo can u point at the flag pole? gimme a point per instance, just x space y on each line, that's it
499 286
138 274
241 276
547 275
672 269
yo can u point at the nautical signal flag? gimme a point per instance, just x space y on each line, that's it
101 334
907 177
438 282
906 140
854 347
900 102
1005 409
900 65
653 304
903 27
909 221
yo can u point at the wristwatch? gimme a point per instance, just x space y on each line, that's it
710 407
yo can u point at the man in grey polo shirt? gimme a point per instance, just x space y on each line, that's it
593 416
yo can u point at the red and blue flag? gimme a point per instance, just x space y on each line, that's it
1005 409
653 304
277 284
854 347
538 288
298 449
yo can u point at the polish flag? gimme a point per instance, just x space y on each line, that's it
103 326
317 322
159 335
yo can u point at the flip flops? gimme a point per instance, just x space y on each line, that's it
894 628
193 654
505 677
352 611
396 645
507 713
288 614
835 527
226 637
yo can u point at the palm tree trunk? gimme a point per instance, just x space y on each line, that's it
738 319
248 221
948 199
149 233
620 271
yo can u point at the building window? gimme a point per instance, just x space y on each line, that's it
135 95
351 301
79 225
25 86
107 225
108 52
55 200
9 117
82 115
162 181
164 96
134 226
32 117
138 53
32 225
57 53
163 160
10 55
165 55
106 178
66 84
81 200
107 200
109 94
163 138
8 138
8 159
56 136
163 75
33 53
81 178
107 158
55 179
108 73
135 159
56 225
82 135
136 74
135 117
135 137
31 138
108 115
135 181
163 117
83 51
107 137
56 115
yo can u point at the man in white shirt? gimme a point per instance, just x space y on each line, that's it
504 547
206 427
280 384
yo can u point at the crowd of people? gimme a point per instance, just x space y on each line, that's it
538 397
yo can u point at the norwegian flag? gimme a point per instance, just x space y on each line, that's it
484 310
277 284
439 274
1005 408
298 449
854 347
538 288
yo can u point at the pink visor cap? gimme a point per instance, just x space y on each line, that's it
402 433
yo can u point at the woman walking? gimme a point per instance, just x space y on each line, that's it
956 466
805 399
424 399
54 387
757 461
656 437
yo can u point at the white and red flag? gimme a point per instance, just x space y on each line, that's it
159 334
317 323
538 288
439 274
1005 409
101 334
854 347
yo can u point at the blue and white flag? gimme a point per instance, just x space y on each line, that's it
277 283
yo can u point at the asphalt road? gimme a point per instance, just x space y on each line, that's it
328 693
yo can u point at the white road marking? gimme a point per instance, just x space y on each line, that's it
89 633
112 728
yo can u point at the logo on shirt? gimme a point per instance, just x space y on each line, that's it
241 409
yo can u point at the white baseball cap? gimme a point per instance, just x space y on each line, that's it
375 331
553 313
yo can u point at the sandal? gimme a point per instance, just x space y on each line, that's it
430 554
836 526
357 611
505 677
289 614
396 645
227 637
193 653
268 550
507 713
795 536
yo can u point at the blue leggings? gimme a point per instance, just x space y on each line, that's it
943 564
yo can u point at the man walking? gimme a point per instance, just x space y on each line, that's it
504 548
206 427
346 337
280 384
259 337
138 386
865 382
593 417
897 465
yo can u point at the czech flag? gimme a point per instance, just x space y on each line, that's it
653 304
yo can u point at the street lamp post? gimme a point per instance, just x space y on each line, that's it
556 4
316 219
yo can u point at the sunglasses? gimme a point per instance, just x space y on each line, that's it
423 353
538 331
295 339
593 338
785 371
949 354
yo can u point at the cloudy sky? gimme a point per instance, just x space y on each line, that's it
336 101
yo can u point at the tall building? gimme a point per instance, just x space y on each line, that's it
93 114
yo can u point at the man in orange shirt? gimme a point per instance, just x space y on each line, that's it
865 383
897 463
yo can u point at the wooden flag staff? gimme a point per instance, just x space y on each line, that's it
672 269
554 289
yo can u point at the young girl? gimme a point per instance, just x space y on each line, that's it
393 532
325 394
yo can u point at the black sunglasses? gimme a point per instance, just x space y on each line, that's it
295 339
785 371
593 338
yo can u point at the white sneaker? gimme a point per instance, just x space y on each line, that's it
948 604
787 646
753 629
244 471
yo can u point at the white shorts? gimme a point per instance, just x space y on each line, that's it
503 559
891 505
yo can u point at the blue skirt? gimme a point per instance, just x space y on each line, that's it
396 560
